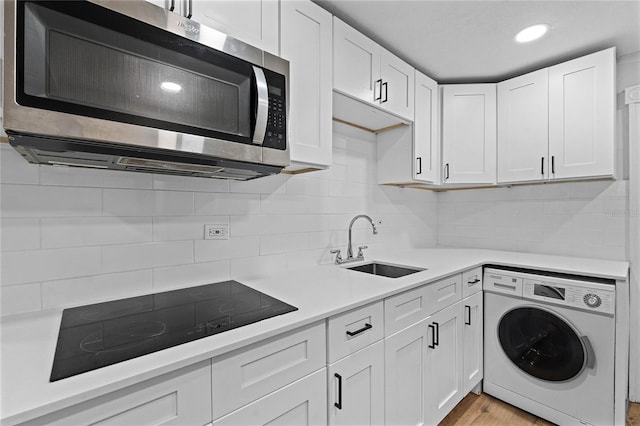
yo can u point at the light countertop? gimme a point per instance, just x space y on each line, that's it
28 341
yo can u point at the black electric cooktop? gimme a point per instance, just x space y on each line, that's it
102 334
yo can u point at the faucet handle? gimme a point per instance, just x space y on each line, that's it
338 255
360 253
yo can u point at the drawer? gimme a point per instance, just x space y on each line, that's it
471 281
404 309
251 373
499 281
445 292
354 330
182 397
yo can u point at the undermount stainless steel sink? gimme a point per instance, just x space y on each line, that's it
385 269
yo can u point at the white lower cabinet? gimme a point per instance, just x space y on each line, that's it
472 339
444 363
301 403
356 388
405 373
182 397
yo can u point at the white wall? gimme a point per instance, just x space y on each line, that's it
76 236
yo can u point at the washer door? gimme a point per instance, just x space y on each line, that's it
541 344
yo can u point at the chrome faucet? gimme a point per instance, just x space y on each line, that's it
360 256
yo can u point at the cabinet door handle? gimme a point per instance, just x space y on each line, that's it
377 88
338 404
476 281
172 5
386 93
467 314
366 327
553 164
542 166
419 172
437 342
433 336
446 171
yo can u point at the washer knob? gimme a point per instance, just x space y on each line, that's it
592 300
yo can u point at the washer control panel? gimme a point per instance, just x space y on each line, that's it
583 295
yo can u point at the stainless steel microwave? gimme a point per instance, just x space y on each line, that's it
127 85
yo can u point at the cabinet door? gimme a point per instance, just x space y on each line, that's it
356 63
469 133
301 403
356 388
179 398
253 21
582 116
405 373
444 363
397 91
472 341
426 144
523 120
310 82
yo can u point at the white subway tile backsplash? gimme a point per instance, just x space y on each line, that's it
18 299
172 228
94 231
15 169
19 234
127 202
130 257
95 288
227 204
76 176
39 265
56 201
259 266
302 185
257 225
234 247
187 183
283 204
190 275
307 222
274 184
282 243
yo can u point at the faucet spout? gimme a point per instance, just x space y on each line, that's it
373 225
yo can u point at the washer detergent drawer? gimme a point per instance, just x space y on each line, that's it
499 281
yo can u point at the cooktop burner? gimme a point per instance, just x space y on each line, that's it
102 334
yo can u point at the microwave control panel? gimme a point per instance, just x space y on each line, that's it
276 134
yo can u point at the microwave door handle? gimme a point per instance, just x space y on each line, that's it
262 112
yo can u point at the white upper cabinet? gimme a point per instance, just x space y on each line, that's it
523 117
356 63
410 155
255 22
426 144
582 116
310 82
469 133
366 71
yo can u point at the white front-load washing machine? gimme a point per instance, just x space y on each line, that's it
550 344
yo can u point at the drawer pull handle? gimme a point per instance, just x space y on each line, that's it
366 327
508 287
338 404
467 314
433 336
476 281
437 341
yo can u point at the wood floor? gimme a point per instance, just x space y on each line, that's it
484 410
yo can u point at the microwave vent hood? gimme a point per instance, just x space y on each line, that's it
101 155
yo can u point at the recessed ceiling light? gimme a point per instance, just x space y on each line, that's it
531 33
170 87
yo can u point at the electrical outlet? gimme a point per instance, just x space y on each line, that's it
216 232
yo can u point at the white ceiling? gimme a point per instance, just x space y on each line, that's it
473 41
